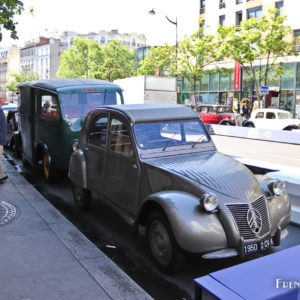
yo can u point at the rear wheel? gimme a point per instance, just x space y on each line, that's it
82 197
162 245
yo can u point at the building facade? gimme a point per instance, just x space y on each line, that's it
218 88
9 64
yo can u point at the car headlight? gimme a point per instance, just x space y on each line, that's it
276 187
209 201
75 146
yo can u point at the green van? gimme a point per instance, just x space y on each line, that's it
51 113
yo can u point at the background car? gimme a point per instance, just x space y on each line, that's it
219 114
158 167
272 118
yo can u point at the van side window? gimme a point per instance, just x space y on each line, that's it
259 115
97 135
120 141
49 107
270 115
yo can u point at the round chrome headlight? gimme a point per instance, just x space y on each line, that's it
276 187
75 146
209 201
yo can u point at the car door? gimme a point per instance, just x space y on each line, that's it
122 171
97 137
259 119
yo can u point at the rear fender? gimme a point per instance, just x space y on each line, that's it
77 169
194 229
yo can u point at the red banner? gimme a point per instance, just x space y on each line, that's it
237 70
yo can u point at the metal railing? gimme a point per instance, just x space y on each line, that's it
202 10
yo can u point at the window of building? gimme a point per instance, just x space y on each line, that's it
222 20
254 12
202 7
222 4
214 82
239 1
297 39
238 18
287 80
279 5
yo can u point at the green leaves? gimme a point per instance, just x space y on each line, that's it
19 78
163 58
8 9
87 59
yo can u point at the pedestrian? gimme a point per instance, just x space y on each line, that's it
3 135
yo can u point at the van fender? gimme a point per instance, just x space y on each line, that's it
248 123
194 229
77 169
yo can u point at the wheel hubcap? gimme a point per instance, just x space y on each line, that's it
46 166
160 243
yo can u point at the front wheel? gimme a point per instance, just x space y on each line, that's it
82 197
162 245
47 171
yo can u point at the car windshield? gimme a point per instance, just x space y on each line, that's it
284 115
225 109
78 105
170 133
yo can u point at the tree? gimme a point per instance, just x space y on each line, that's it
257 44
161 58
82 60
19 78
123 58
8 9
195 54
110 70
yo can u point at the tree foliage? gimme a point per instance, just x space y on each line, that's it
87 59
8 9
258 44
82 60
195 54
162 58
20 78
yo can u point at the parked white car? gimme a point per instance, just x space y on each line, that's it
271 118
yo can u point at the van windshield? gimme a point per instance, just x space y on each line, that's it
78 105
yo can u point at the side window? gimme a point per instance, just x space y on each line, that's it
204 109
49 107
259 115
120 139
270 115
97 134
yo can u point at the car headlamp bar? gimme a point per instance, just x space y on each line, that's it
209 202
276 187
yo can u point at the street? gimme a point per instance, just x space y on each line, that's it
113 236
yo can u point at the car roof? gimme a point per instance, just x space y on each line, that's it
154 112
56 84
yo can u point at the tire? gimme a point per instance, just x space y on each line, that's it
291 127
249 125
82 197
163 248
46 168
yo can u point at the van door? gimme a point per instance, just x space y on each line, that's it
47 124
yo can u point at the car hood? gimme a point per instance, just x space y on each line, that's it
214 170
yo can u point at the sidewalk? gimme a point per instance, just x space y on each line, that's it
43 256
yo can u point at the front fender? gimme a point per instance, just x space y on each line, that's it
279 206
195 230
77 169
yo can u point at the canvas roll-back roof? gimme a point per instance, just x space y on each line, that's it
154 112
57 84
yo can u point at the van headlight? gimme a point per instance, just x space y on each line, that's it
276 187
209 202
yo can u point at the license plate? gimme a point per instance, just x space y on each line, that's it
258 246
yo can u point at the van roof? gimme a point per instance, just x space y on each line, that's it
57 84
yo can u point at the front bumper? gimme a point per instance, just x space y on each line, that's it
232 252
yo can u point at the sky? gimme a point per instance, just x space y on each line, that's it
94 15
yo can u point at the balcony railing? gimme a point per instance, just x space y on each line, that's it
202 10
297 48
222 5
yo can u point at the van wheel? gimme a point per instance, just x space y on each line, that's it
82 197
48 173
164 250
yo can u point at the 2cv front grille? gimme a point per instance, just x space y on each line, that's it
239 213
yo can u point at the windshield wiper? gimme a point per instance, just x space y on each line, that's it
171 139
198 140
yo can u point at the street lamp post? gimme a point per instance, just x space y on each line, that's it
152 12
